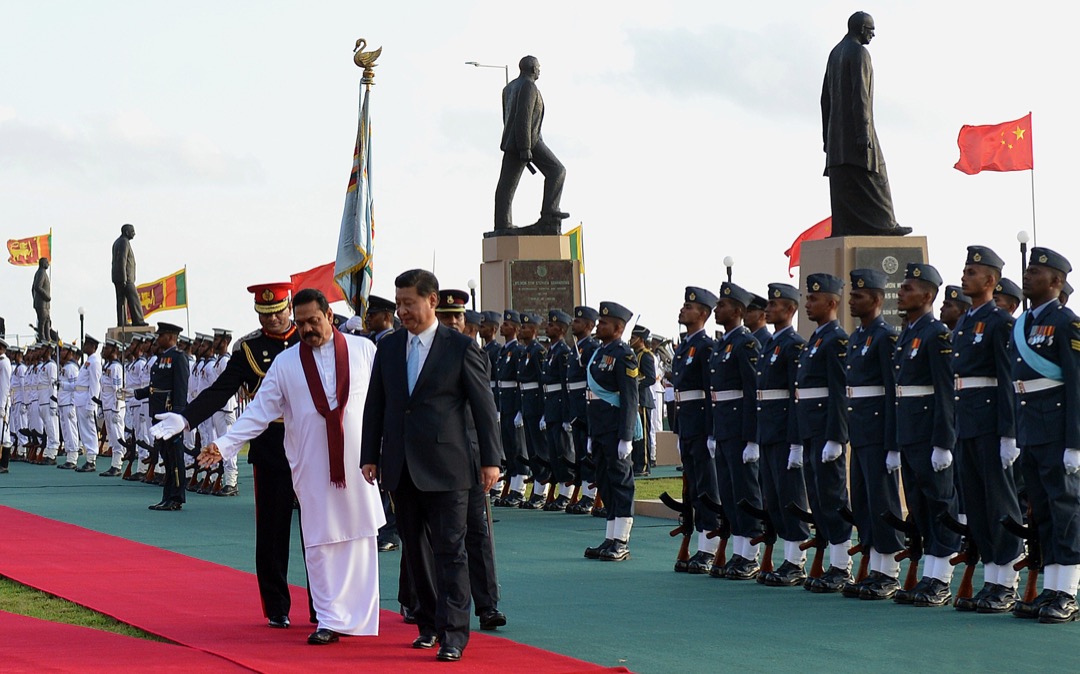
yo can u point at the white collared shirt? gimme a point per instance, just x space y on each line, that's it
426 338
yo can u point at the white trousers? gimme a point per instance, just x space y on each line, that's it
344 580
88 429
223 421
114 431
69 424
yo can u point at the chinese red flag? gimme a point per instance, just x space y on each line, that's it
320 278
821 230
996 147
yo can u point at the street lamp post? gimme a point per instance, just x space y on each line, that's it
506 68
472 292
729 262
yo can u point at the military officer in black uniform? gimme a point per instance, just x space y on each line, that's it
871 394
379 319
733 435
1046 377
167 392
690 378
639 339
613 426
577 423
926 432
755 319
778 434
1007 296
510 420
530 364
489 330
955 305
553 382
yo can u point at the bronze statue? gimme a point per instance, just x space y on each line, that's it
123 278
42 292
523 113
858 183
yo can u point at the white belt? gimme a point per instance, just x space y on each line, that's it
529 385
865 391
576 385
1033 385
811 393
685 396
914 391
975 382
773 394
589 395
493 384
552 388
508 384
724 396
82 388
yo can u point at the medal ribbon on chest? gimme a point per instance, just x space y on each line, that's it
979 328
914 347
867 345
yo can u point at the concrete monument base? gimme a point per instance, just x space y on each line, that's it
529 273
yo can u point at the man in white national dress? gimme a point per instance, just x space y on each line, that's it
319 386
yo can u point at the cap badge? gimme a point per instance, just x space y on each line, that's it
267 295
977 257
727 291
776 293
816 287
693 296
605 310
1043 259
917 272
860 283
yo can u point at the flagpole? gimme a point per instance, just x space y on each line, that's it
584 284
187 311
1034 232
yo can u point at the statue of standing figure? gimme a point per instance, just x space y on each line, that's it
42 292
858 184
522 145
123 278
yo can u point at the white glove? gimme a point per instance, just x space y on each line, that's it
892 461
498 417
751 453
568 427
710 444
169 424
1072 461
519 420
354 324
794 457
833 450
1009 452
941 459
543 424
588 446
625 447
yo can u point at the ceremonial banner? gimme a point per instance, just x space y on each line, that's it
821 230
577 246
26 252
353 269
165 293
320 278
996 147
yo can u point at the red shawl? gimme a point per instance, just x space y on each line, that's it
335 422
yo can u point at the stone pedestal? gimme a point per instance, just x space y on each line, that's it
890 254
529 273
125 334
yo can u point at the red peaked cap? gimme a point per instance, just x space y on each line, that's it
270 298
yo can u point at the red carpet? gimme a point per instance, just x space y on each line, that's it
215 608
32 645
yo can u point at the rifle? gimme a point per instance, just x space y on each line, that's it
686 524
768 536
913 542
1032 561
723 531
969 555
818 543
864 562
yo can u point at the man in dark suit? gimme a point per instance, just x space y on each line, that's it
415 433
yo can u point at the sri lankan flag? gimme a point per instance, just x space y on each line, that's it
26 252
165 293
577 246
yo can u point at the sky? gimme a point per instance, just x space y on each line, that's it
690 131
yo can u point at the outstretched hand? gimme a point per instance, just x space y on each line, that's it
209 457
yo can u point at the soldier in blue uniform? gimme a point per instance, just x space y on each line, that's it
778 434
955 305
168 392
871 393
646 401
577 423
553 380
986 431
1046 375
690 378
613 426
529 373
733 385
821 410
755 319
926 432
1007 296
517 464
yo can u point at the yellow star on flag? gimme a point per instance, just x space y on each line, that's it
1019 133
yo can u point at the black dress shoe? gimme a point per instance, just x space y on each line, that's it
682 565
899 231
513 499
968 604
853 589
87 467
448 654
536 502
936 594
3 469
599 512
491 619
167 505
1031 609
133 478
582 507
322 637
387 546
558 505
228 490
67 465
1061 609
700 563
424 641
408 616
908 596
594 553
741 568
278 622
617 552
787 575
47 462
831 581
111 472
882 587
1001 600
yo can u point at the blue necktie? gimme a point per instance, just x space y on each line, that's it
412 364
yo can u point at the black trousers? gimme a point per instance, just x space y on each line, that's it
874 491
929 493
701 476
828 491
480 547
561 452
441 579
273 528
1055 502
537 449
512 166
780 486
642 448
614 476
388 532
737 481
517 460
44 321
171 452
585 465
989 494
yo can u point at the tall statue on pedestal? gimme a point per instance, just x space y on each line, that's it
123 278
523 113
42 292
858 184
